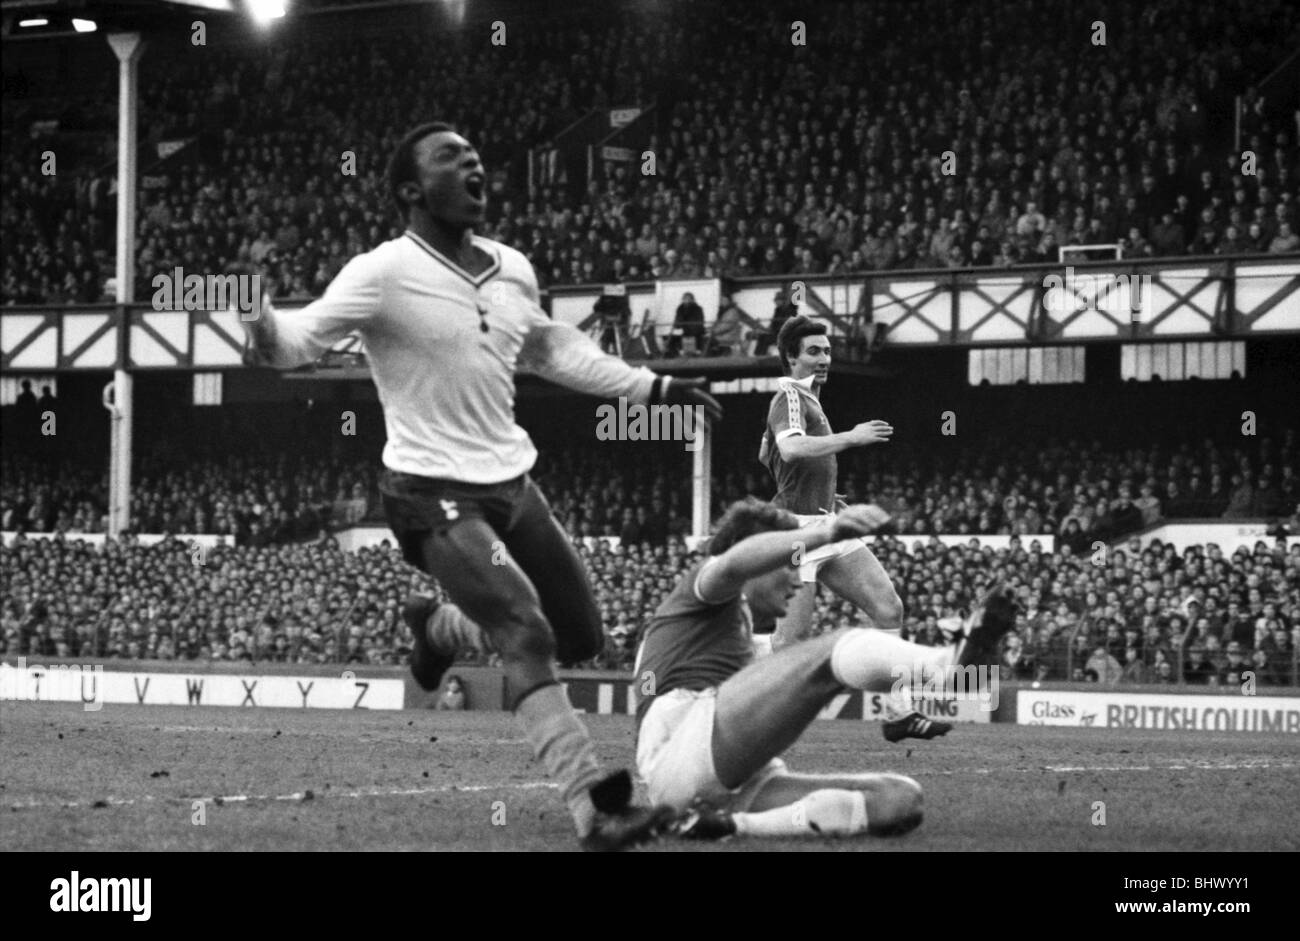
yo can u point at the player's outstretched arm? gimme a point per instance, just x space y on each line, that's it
797 447
285 339
566 356
757 555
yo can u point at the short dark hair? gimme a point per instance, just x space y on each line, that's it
746 518
792 333
401 166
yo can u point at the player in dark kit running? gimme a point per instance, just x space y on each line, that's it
448 317
799 450
711 723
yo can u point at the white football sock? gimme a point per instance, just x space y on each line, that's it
827 812
562 744
897 704
869 660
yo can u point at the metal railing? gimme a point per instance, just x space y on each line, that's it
1273 672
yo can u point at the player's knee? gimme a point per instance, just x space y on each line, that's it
896 807
888 613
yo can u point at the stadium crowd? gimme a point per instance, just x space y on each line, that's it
257 502
883 143
1144 614
283 590
1076 489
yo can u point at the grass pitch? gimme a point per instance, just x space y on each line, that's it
209 778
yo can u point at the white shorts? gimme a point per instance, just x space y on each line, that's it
814 560
674 754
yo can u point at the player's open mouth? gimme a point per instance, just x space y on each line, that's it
474 185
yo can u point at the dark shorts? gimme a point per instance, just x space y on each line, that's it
425 514
416 506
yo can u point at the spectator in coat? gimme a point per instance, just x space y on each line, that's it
1103 666
1135 669
688 327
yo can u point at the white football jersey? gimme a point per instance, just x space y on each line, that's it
444 346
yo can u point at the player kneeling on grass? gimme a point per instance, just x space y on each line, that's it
711 724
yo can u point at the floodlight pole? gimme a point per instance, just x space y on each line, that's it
128 48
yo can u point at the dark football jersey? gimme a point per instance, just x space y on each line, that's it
689 643
806 486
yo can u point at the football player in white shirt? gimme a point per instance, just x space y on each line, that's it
448 317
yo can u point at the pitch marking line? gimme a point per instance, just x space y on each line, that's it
1247 765
366 737
295 796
